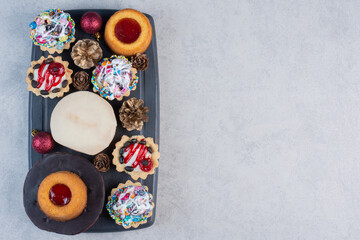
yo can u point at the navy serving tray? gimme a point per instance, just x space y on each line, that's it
40 110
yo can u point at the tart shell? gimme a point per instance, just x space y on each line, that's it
136 174
51 95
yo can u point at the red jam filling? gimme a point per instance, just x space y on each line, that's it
60 194
51 76
145 165
56 69
127 30
144 162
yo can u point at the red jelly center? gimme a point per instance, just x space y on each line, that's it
60 194
127 30
145 165
56 69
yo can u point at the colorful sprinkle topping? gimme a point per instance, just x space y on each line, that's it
53 28
112 78
130 204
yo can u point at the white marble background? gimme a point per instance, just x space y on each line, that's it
260 123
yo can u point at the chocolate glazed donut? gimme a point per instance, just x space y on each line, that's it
64 162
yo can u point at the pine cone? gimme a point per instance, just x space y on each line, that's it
133 114
86 53
81 80
140 61
102 162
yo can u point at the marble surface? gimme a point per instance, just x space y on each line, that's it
260 119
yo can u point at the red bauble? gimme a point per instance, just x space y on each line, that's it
91 22
42 142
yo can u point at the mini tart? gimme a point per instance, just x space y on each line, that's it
55 80
53 30
74 207
114 78
137 156
131 219
128 32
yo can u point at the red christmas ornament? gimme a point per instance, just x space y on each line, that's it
42 142
91 22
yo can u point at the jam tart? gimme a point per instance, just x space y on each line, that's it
49 77
137 156
128 32
62 196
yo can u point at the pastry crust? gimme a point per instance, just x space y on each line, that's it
53 50
51 95
78 196
127 49
134 71
130 183
155 155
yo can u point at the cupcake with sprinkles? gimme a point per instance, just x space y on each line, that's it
49 77
53 30
137 156
130 204
114 78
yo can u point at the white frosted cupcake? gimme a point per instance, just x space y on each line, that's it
114 78
53 30
130 204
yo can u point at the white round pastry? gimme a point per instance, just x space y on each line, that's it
84 122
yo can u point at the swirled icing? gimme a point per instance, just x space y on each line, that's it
130 204
53 28
112 78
